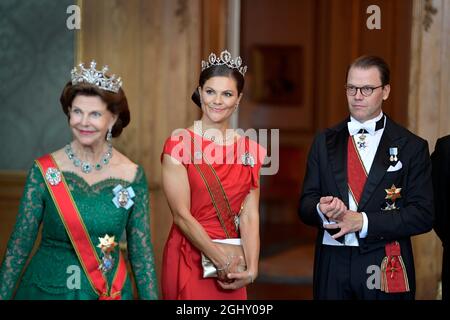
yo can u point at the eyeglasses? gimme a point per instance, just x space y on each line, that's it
365 91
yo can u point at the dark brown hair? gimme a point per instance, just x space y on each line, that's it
366 62
218 71
116 103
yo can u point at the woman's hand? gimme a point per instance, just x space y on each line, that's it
222 271
231 266
239 280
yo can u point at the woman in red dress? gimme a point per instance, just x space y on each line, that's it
236 161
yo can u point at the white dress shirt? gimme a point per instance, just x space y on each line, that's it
367 155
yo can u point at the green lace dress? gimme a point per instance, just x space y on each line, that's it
51 272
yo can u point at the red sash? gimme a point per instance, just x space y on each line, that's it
79 236
217 193
393 272
356 172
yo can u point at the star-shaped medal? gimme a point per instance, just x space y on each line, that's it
393 193
107 243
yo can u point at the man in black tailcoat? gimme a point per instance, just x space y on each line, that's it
368 189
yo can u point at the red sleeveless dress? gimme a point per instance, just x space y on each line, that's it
182 274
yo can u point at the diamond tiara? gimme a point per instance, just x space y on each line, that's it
96 77
224 59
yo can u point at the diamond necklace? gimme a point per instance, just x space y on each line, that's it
198 130
86 167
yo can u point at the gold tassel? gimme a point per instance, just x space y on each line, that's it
405 275
384 286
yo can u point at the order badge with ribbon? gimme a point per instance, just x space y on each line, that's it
106 245
122 197
393 154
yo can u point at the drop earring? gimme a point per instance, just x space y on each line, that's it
109 135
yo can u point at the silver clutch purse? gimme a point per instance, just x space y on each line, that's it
232 248
209 269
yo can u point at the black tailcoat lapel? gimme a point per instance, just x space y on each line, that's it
337 139
391 138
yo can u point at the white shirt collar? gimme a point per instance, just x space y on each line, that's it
354 126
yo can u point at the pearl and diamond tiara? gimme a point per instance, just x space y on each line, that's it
224 59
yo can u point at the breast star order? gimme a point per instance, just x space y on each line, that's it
393 193
107 243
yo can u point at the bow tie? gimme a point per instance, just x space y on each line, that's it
355 127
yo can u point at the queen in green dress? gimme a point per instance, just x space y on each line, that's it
86 196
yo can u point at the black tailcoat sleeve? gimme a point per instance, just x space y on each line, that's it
441 185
